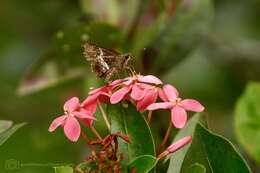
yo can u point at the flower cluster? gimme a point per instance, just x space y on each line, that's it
142 91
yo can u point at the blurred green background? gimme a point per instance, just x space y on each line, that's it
208 49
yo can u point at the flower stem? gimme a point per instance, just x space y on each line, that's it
166 136
163 154
92 128
149 118
104 116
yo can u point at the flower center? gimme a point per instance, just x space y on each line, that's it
176 101
68 113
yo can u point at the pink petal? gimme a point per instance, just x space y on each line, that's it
137 93
91 107
72 104
90 99
87 117
72 129
117 96
150 98
84 114
149 79
90 103
192 105
145 86
164 105
162 95
94 91
179 144
57 122
170 92
115 83
129 80
88 122
104 97
179 116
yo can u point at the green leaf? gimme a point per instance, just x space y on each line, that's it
247 118
196 168
63 169
214 152
86 166
4 125
9 132
142 164
182 32
132 123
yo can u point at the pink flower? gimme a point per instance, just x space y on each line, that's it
70 124
177 105
98 95
95 96
132 85
175 146
149 95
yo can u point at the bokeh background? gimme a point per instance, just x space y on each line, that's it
209 49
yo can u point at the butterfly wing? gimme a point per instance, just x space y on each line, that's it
104 62
91 51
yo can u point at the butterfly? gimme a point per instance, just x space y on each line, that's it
105 62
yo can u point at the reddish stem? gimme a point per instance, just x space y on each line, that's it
166 136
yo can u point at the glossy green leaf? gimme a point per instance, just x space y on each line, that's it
196 168
247 118
4 125
142 164
63 169
182 32
9 132
132 123
216 153
212 151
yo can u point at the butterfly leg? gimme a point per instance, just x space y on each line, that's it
110 73
131 70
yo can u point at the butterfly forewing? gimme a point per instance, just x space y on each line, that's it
92 51
104 62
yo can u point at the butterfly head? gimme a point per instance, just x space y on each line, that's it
127 57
